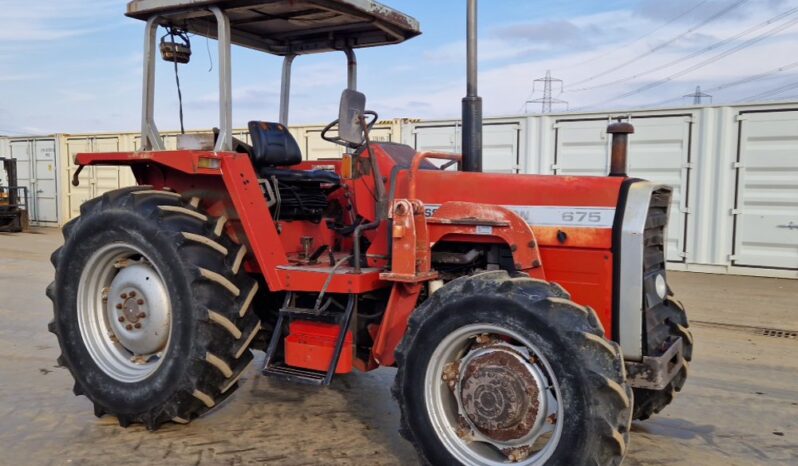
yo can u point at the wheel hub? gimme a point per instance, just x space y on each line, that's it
138 309
501 395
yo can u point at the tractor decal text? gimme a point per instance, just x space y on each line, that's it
588 217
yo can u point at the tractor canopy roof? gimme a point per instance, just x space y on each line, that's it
284 27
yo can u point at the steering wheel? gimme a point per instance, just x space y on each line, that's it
341 142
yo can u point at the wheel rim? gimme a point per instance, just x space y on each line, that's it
492 397
124 312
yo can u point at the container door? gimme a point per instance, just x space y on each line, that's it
582 148
659 151
766 207
77 195
45 195
106 178
438 138
22 151
500 148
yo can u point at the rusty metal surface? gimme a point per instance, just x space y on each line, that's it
620 143
500 395
655 372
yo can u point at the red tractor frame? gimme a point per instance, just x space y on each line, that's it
522 311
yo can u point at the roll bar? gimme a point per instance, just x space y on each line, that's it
151 137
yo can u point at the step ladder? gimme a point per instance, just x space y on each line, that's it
279 370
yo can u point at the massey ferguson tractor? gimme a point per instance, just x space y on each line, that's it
529 317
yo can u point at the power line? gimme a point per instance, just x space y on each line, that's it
693 54
547 100
710 60
770 93
738 82
668 42
629 44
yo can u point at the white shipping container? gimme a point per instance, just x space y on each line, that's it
37 170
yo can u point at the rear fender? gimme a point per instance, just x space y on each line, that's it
228 186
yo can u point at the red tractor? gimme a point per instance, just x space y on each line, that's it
529 317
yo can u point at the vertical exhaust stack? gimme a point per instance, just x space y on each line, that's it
620 145
472 103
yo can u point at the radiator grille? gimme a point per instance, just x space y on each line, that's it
654 235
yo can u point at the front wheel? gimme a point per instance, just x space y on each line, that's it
495 369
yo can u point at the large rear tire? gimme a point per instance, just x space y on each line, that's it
151 307
495 369
669 323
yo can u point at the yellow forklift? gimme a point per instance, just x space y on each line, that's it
13 200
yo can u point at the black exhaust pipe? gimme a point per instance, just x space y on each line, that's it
472 103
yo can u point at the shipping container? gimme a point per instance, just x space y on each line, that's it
734 170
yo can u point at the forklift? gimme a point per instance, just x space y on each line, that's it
13 200
529 317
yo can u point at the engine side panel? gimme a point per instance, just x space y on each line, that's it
586 274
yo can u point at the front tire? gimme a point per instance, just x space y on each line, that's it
495 369
151 307
669 323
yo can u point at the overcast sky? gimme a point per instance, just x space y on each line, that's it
75 65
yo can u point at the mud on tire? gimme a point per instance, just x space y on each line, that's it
595 394
212 324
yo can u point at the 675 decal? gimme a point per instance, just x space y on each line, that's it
581 217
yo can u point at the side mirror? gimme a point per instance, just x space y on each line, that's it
353 104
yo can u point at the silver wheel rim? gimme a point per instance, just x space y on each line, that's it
446 413
124 312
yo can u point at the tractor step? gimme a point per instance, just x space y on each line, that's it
293 374
279 369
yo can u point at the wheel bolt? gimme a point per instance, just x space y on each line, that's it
119 306
140 302
142 315
138 325
132 294
129 327
121 318
123 295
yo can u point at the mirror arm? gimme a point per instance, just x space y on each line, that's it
351 68
285 89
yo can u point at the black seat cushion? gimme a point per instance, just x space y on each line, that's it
316 177
273 145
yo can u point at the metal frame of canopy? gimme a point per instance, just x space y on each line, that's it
285 28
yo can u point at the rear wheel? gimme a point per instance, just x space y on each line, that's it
152 307
495 369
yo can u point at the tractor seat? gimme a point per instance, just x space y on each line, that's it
273 146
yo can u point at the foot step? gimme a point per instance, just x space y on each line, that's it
293 374
279 369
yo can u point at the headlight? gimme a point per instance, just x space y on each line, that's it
661 286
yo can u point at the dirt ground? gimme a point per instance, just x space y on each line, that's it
740 405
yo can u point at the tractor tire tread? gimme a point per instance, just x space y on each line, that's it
605 366
219 356
672 319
